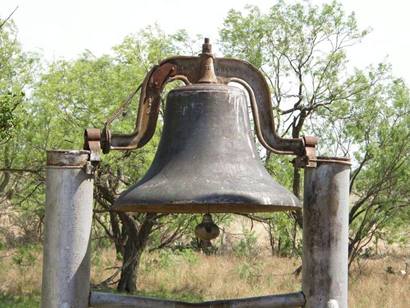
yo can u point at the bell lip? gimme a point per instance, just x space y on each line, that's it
181 208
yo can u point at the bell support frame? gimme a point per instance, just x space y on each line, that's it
206 69
70 182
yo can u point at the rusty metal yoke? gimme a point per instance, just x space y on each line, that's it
204 68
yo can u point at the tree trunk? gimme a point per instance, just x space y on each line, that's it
131 261
297 214
297 127
296 181
134 247
118 236
271 239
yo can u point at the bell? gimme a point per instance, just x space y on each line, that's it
206 160
207 230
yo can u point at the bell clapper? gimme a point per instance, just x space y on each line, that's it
207 230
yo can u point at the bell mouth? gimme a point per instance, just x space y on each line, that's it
209 206
206 196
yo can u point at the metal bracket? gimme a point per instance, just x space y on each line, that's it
309 160
92 143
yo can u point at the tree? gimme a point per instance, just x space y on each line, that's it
17 72
375 130
16 76
301 49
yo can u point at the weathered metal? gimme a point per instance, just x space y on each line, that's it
105 300
207 69
67 159
207 64
92 143
325 233
207 160
207 230
66 261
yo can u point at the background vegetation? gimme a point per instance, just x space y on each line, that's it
302 51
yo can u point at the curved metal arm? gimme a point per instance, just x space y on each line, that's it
259 133
207 69
182 68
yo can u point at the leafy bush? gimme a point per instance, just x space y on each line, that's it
26 255
250 271
247 246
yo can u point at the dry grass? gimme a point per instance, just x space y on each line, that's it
198 277
222 277
20 272
372 286
193 276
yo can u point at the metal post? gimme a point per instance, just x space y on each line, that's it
325 233
66 262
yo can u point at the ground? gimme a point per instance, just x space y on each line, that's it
190 276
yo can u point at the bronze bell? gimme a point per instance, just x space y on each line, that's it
207 160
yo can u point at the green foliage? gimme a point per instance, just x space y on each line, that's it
25 255
67 98
169 259
247 246
302 48
8 120
373 125
19 301
18 69
278 166
16 74
166 258
381 178
251 271
151 45
286 238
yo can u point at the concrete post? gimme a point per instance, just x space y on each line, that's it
325 233
66 261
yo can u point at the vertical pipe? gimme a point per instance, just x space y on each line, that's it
325 233
66 259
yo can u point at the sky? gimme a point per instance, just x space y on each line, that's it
63 29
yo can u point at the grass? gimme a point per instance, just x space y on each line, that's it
194 277
19 301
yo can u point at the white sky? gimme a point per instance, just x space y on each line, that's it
66 28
